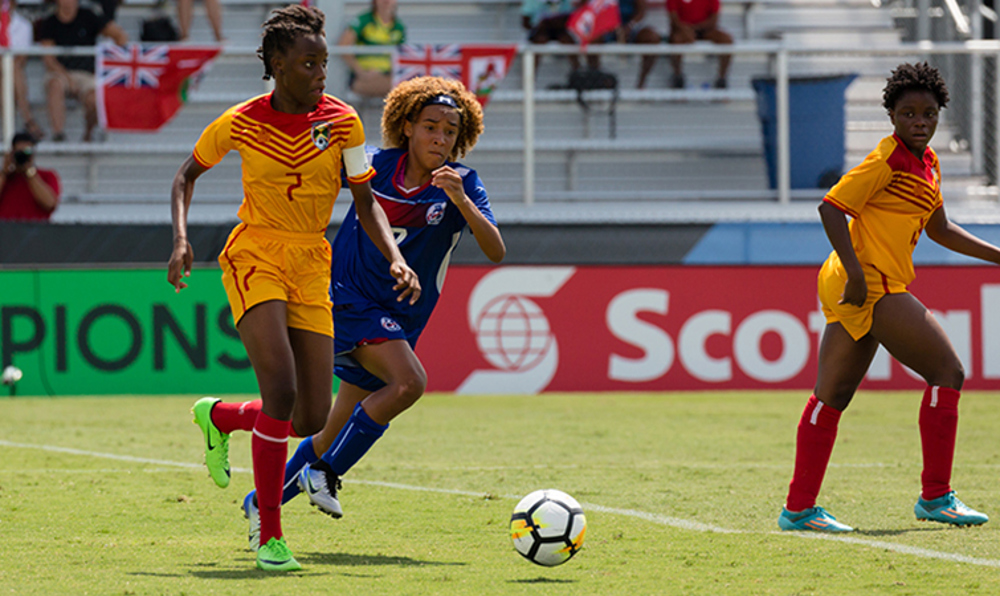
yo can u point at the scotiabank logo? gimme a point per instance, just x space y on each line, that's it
512 332
533 329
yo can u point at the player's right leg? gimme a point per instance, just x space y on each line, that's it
265 336
843 363
308 452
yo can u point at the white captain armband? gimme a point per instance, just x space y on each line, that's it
355 162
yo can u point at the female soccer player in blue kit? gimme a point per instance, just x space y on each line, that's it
429 199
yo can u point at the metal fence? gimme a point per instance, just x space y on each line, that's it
970 68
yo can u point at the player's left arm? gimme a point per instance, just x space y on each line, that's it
486 234
376 225
953 237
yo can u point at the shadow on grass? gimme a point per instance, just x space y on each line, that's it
900 532
248 572
243 569
542 580
313 563
352 560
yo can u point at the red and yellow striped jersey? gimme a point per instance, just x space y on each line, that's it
291 162
889 196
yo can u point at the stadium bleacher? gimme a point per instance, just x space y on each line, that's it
675 154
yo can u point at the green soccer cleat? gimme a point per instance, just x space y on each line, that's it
948 510
275 556
216 442
814 519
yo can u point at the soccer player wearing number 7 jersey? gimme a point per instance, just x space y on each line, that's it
276 262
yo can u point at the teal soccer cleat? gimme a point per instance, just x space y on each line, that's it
815 519
216 442
948 510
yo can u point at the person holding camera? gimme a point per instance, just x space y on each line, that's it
27 193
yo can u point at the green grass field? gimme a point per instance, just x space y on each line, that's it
681 490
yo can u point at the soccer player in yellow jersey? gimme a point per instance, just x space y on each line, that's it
276 263
892 197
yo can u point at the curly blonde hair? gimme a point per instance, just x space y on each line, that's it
406 100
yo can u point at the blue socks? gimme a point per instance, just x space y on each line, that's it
353 442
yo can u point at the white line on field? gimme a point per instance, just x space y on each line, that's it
674 522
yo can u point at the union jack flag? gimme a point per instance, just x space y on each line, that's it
435 60
480 67
141 87
133 65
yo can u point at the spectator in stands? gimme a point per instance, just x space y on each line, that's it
691 20
633 30
73 76
371 74
26 192
185 12
19 37
545 21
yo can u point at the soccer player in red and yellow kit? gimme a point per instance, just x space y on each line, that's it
276 263
892 197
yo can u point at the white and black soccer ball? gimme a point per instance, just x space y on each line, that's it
11 375
548 527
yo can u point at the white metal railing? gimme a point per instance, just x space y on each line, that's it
777 52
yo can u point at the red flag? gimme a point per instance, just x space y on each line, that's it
484 66
141 87
5 24
480 67
594 20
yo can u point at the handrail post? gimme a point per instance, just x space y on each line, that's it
528 73
7 115
782 109
994 176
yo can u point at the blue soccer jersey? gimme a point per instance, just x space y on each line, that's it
427 227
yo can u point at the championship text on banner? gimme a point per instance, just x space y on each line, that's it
118 332
141 87
480 67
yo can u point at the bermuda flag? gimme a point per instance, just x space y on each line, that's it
594 20
480 67
141 87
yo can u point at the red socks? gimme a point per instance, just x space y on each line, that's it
270 449
813 446
236 416
938 428
818 431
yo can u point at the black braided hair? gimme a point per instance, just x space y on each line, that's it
910 77
284 27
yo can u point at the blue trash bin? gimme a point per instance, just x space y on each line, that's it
816 128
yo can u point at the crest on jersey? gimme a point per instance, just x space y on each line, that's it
390 325
321 135
435 213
